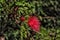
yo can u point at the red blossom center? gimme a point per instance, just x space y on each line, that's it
34 23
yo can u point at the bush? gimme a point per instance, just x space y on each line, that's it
12 28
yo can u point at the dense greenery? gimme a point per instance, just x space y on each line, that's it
48 12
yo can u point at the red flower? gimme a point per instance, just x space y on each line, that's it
22 18
34 23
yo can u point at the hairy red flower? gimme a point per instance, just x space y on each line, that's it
34 23
22 18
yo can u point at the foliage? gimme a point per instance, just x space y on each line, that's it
48 12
